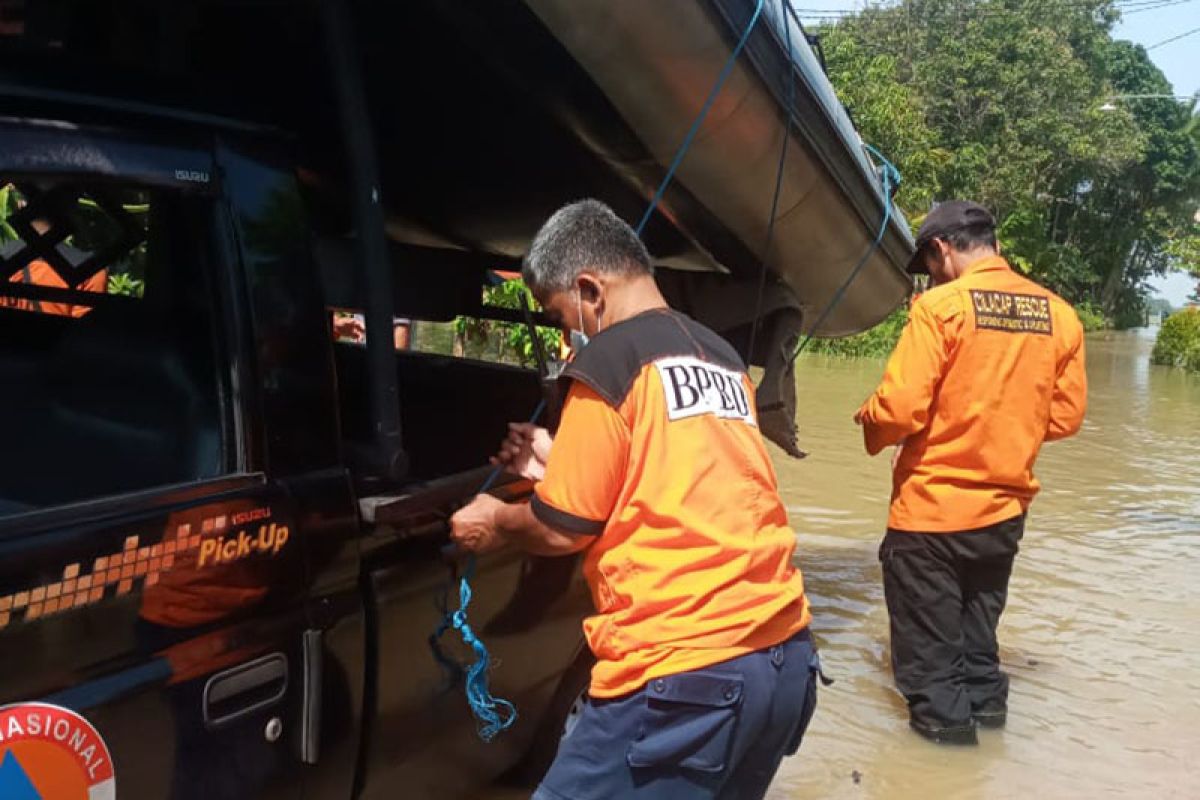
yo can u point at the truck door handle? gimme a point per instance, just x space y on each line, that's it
239 691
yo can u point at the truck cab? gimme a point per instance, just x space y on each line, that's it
184 558
222 529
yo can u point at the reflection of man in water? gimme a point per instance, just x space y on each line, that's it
38 272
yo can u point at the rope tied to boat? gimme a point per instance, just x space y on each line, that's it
891 180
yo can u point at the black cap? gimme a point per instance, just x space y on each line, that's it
945 219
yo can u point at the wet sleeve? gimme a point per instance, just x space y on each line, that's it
586 468
900 406
1068 403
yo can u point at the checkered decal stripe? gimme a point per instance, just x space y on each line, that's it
134 567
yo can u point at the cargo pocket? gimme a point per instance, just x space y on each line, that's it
688 722
808 707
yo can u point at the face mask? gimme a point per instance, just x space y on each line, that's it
579 339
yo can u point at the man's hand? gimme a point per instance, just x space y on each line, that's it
349 329
860 416
473 528
525 451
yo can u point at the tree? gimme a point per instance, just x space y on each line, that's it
1000 101
1130 223
504 341
888 114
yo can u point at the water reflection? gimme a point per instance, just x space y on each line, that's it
1102 632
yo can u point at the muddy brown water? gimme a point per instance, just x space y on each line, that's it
1102 632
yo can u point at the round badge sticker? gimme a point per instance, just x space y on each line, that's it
51 753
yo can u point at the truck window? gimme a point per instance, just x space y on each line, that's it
349 327
61 237
483 338
460 382
107 349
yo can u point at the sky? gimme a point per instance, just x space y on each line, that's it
1179 61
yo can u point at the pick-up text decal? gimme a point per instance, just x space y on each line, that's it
218 540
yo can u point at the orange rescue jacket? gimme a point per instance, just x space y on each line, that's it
659 458
989 366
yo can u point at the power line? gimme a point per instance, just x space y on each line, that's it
824 16
985 10
1119 4
1183 35
1164 4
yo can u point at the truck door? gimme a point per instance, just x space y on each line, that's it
421 740
152 622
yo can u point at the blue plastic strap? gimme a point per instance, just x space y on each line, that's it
699 120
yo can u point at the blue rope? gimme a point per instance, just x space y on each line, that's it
891 179
783 151
494 714
708 104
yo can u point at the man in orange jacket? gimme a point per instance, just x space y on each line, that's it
989 367
705 674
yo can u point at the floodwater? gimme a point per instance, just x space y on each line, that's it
1102 632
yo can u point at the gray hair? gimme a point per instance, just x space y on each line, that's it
585 235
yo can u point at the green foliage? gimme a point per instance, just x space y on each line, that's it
125 284
1092 316
1000 101
9 203
1178 343
433 337
887 113
876 342
91 229
881 340
1184 249
505 341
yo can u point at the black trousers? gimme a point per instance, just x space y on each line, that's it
945 593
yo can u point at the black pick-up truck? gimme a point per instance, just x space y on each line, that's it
222 530
185 557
